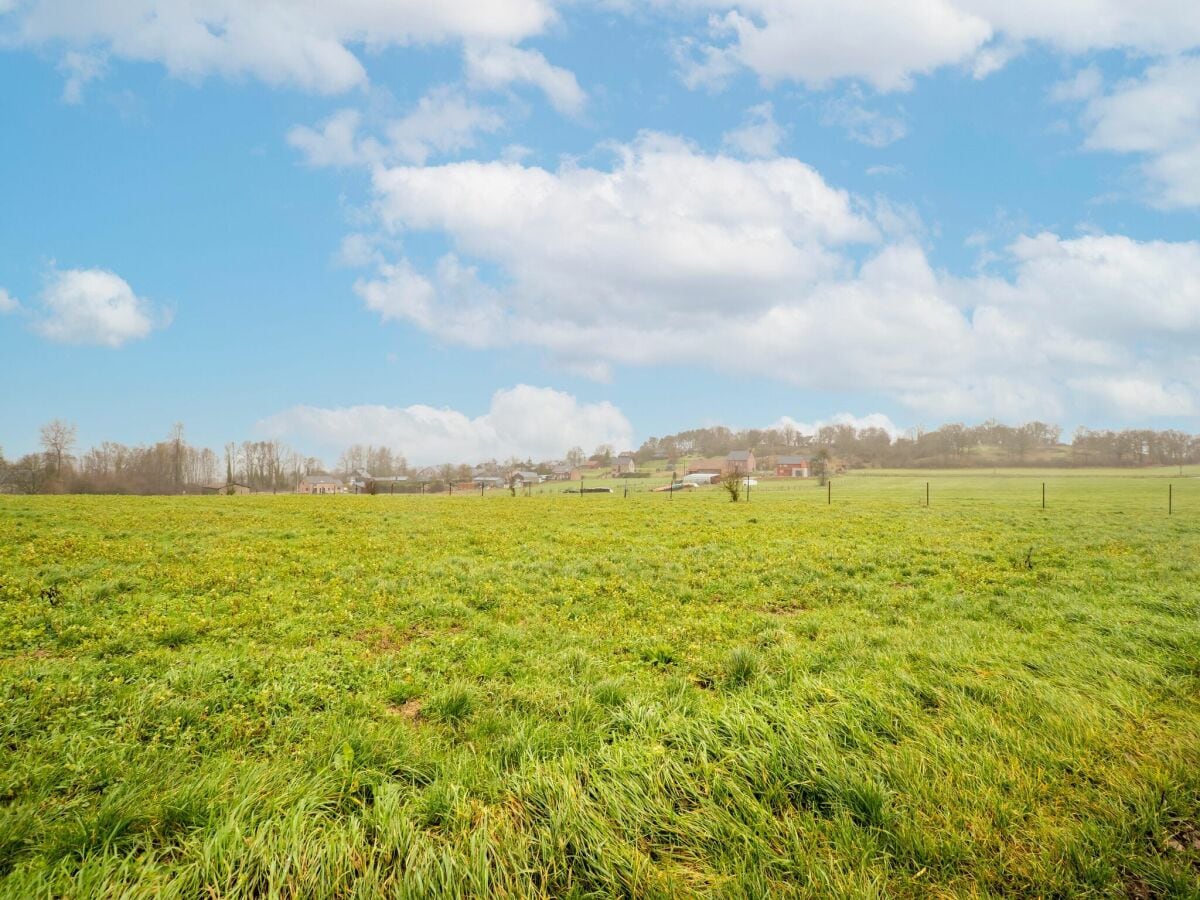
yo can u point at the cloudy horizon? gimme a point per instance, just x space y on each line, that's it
462 230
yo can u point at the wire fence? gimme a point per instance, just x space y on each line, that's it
1157 491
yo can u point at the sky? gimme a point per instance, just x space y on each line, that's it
481 228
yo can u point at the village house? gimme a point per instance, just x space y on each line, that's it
741 461
625 465
524 477
564 473
791 467
320 484
488 481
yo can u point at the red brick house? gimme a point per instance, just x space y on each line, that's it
791 467
741 461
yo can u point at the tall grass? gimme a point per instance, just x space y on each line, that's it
414 697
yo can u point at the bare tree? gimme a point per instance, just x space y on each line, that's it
58 439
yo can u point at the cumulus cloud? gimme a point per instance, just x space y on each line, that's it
94 306
760 267
8 303
499 65
303 43
523 422
1156 116
887 44
443 122
758 136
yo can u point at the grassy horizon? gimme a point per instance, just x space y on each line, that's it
593 696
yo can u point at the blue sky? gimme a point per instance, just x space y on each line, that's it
468 229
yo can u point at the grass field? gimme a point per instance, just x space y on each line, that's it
597 695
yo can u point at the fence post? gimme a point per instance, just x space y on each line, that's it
927 495
1043 495
829 492
1170 499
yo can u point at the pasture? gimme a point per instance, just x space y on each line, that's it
595 695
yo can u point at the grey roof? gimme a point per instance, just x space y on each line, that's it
792 461
738 455
526 475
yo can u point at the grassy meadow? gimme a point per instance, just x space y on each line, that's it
585 696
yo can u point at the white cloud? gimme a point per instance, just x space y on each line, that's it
1135 397
760 267
886 44
333 143
863 124
499 65
818 42
79 68
93 306
524 421
304 43
443 122
1083 85
758 136
1156 116
8 303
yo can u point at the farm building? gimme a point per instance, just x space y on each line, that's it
564 473
624 465
221 487
491 481
524 476
739 461
714 465
320 484
791 467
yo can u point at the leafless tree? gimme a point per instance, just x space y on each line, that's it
58 439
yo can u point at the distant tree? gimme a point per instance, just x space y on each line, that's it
575 457
58 439
603 454
732 483
821 465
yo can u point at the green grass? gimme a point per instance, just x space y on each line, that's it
592 696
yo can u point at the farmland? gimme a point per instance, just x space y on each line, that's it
593 695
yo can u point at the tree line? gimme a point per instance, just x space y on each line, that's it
173 466
989 444
170 466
